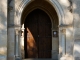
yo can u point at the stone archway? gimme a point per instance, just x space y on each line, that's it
53 5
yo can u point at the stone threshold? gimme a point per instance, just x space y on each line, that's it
39 59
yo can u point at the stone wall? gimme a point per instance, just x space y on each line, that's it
76 13
3 29
11 31
67 24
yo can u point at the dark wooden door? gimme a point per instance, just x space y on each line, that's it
38 37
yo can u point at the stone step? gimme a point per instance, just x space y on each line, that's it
39 59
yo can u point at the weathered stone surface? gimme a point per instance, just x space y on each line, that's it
3 29
76 13
66 5
11 32
11 44
69 41
77 49
77 33
2 57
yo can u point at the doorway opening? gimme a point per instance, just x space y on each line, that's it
37 35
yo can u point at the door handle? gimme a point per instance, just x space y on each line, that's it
38 35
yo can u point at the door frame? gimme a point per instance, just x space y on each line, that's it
38 27
46 11
54 3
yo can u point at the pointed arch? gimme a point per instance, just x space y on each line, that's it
54 3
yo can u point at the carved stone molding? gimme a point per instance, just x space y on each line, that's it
13 25
66 26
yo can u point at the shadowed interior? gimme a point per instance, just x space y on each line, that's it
38 37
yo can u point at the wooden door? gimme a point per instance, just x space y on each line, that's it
38 37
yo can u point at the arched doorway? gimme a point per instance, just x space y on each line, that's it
38 35
51 13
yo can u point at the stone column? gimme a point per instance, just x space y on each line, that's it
63 42
17 45
11 31
11 38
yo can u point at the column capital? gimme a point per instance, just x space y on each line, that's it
17 31
63 30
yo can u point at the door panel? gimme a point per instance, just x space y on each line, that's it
38 37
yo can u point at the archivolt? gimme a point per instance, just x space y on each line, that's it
54 3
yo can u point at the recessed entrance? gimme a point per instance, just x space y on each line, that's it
33 45
38 35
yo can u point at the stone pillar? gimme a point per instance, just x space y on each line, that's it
11 31
67 42
17 44
11 38
63 42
